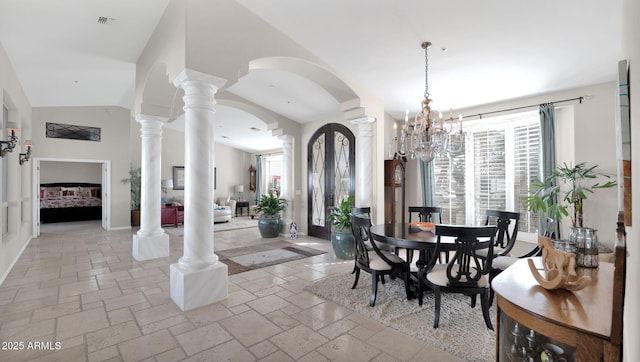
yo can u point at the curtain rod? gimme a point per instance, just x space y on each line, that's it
479 115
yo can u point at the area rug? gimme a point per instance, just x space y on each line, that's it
253 257
461 332
234 224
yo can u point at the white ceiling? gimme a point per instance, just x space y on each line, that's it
495 50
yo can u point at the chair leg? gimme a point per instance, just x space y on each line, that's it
357 270
382 279
494 273
436 310
374 289
407 288
473 300
484 301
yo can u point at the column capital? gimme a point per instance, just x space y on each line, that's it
363 120
286 138
141 117
195 76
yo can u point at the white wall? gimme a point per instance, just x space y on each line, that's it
115 145
16 213
631 51
54 171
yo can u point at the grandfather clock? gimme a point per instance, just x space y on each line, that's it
394 189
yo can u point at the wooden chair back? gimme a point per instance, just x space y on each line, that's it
507 228
426 213
466 267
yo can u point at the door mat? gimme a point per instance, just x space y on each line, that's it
253 257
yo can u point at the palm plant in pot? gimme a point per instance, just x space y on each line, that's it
269 223
135 179
342 239
562 194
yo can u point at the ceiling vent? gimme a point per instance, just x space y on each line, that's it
105 21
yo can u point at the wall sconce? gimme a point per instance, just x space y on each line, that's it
10 144
24 157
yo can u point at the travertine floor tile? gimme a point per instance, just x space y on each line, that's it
79 285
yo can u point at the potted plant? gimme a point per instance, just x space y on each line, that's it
269 223
135 179
342 239
562 194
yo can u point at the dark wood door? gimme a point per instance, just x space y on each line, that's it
330 174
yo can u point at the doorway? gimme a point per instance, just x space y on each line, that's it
104 177
330 174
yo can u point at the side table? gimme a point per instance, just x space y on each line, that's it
240 205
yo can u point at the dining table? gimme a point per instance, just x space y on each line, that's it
412 238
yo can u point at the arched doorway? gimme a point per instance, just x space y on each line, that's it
330 174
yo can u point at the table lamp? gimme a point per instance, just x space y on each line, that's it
239 190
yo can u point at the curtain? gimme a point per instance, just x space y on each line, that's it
428 184
548 154
258 178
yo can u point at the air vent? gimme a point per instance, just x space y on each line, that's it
105 21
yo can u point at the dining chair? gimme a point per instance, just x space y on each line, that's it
370 258
502 262
426 213
465 272
506 223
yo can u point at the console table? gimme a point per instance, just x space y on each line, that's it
585 325
240 205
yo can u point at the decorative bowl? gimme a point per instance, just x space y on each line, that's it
424 226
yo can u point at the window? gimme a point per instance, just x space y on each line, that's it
501 160
273 174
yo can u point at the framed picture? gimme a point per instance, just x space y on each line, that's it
178 177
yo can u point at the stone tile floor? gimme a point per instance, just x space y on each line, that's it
76 294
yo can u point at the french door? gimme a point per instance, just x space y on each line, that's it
330 174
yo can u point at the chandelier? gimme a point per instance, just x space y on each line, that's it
427 137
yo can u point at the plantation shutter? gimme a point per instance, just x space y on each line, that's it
451 188
526 168
489 172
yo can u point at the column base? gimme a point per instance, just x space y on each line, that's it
191 289
150 247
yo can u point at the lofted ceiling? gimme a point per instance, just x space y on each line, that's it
83 53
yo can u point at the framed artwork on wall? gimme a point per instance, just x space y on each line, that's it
178 177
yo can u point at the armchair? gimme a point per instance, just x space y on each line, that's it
171 215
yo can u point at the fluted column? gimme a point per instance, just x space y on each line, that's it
150 242
287 178
198 278
364 161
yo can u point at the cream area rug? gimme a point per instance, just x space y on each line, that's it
461 332
235 223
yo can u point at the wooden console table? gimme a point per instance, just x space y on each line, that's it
586 325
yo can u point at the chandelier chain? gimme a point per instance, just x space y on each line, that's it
426 73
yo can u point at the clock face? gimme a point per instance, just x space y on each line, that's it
398 175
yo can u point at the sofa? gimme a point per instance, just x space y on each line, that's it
224 209
172 215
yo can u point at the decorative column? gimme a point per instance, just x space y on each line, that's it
287 178
364 161
198 278
150 242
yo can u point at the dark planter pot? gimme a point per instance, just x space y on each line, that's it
269 226
343 243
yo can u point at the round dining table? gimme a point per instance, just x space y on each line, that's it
403 235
